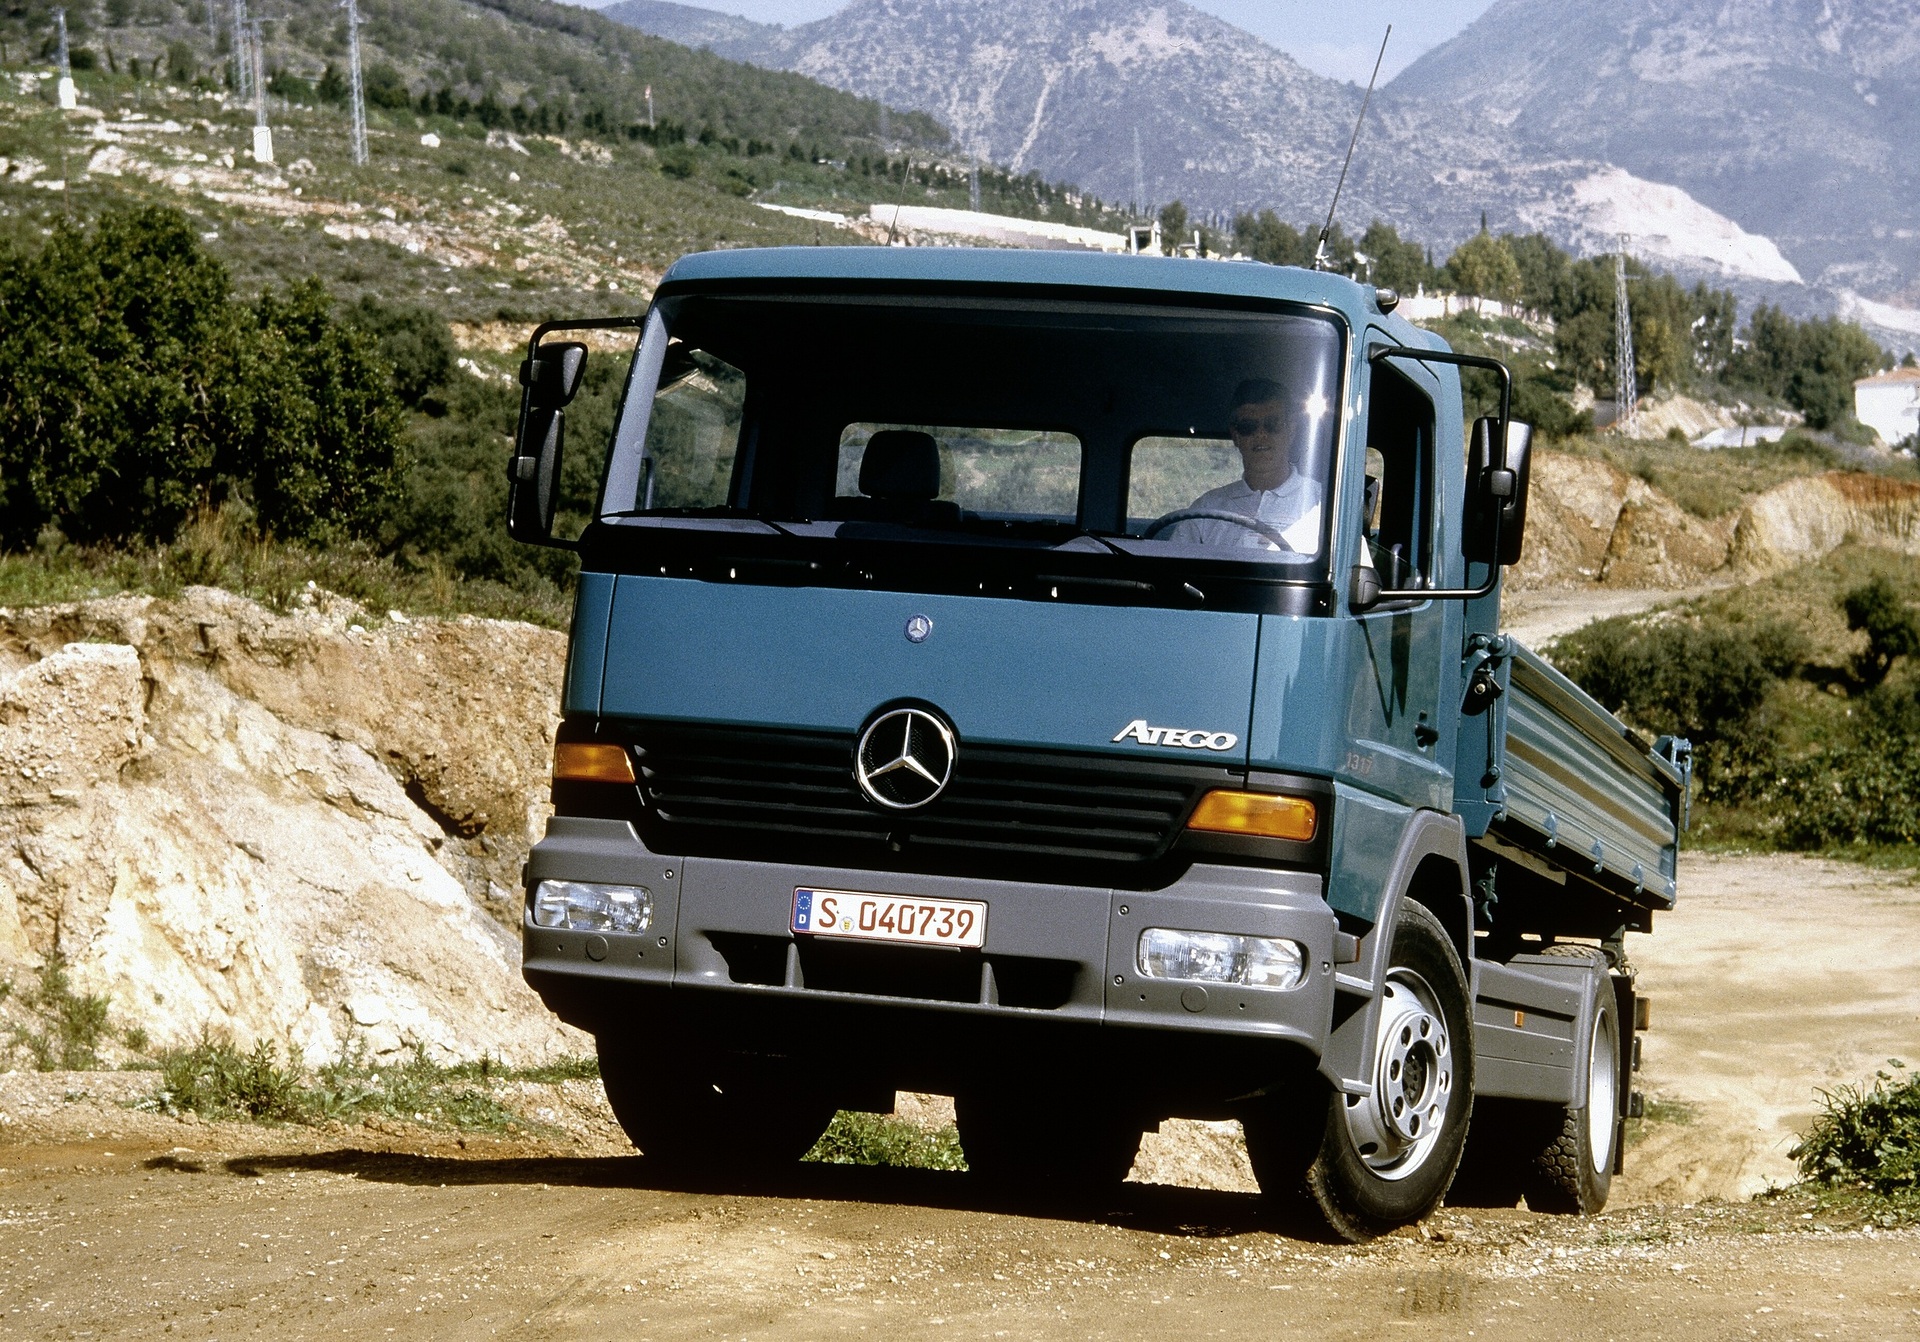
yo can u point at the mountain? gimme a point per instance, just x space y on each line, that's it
1796 117
1727 138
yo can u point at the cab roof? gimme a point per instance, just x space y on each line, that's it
941 267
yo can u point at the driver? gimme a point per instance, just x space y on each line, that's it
1275 436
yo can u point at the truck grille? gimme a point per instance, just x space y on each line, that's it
722 789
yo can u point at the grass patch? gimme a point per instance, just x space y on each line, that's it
881 1139
217 1080
67 1027
1660 1113
218 551
1867 1137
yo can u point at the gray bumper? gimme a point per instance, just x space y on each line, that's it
1053 953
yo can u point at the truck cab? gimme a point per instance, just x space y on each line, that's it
1073 683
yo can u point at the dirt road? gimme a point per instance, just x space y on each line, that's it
1776 976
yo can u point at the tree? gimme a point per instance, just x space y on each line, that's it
1173 226
1266 237
331 88
413 340
134 390
1542 266
1890 625
1396 264
1483 267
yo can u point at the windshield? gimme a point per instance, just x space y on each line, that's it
1169 434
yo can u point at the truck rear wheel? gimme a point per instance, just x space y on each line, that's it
706 1116
1572 1170
1385 1160
1045 1147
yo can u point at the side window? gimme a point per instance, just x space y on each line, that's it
1398 503
694 431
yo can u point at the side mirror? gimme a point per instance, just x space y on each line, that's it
1363 588
553 375
1497 482
550 380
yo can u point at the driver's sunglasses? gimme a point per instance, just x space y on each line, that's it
1246 428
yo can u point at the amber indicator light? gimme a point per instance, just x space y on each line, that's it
591 762
1256 813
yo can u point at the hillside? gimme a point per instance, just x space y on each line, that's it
1226 121
1796 119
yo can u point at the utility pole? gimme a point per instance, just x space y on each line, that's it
213 25
242 52
1626 391
973 181
66 95
257 57
357 90
651 124
1139 175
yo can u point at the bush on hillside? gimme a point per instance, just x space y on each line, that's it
1864 788
1891 627
415 341
1705 680
135 391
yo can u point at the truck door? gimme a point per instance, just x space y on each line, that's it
1395 723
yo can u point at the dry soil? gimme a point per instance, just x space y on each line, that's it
1777 976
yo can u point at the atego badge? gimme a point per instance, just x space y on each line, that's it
1189 738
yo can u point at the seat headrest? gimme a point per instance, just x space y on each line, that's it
901 464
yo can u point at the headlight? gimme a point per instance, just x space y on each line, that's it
1221 957
582 907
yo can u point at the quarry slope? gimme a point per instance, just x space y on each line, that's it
301 827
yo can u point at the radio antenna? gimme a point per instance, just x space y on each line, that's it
1320 248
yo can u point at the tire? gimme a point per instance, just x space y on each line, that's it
1572 1171
1372 1163
1044 1148
713 1116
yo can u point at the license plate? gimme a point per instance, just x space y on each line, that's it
920 922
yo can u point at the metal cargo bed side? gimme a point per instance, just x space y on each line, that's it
1582 792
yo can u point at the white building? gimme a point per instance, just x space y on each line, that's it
1889 403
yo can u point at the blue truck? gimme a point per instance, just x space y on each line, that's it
1074 684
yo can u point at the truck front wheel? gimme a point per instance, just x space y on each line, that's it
1384 1160
706 1116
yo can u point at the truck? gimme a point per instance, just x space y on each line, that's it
1074 684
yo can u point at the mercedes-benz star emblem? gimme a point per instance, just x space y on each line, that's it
904 759
918 628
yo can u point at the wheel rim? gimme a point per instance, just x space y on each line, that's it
1603 1093
1396 1129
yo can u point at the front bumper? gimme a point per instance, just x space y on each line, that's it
1055 988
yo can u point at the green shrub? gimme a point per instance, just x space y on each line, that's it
70 1026
881 1139
1705 679
414 341
1863 788
1867 1136
216 1080
134 391
1890 625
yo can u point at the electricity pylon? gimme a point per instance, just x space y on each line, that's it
357 90
1626 391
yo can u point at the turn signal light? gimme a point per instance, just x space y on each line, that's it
1257 813
591 762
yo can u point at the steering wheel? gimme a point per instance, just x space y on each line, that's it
1252 524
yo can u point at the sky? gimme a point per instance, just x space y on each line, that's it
1340 40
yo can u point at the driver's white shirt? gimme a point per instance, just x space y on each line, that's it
1292 508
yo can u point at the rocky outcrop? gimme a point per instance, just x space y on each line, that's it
274 826
1803 519
1588 521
